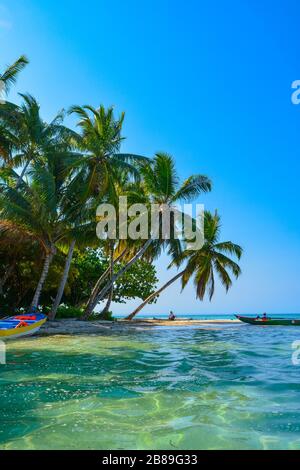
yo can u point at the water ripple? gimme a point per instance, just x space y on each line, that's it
225 387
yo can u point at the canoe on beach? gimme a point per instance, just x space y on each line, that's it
269 321
21 325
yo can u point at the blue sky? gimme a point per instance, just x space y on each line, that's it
208 82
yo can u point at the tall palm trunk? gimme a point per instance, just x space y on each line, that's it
48 260
153 296
105 311
63 281
117 276
6 276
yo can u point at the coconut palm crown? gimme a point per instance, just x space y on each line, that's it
212 260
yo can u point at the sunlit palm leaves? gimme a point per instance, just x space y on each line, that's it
100 141
211 260
26 138
10 75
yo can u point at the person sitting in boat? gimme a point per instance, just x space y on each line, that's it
172 316
264 317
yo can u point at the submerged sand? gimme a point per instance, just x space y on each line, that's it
77 327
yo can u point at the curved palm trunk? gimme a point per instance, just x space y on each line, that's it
117 276
63 281
47 263
111 293
103 314
98 285
153 296
95 292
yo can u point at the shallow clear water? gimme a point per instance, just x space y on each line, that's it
215 387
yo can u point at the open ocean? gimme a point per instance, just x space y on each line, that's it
212 316
229 386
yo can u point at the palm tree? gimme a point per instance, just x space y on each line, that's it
92 302
100 141
212 259
7 79
63 281
164 189
102 166
28 141
35 210
26 138
116 250
103 314
82 236
80 230
10 75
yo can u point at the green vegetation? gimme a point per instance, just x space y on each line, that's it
87 265
52 180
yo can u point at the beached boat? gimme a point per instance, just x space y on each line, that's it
269 321
21 325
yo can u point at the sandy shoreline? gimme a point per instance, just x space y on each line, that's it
75 327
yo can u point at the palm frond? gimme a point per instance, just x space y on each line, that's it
193 187
223 274
231 248
10 75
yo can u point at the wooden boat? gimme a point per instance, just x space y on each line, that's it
269 321
21 325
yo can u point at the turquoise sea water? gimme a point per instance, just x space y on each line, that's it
208 387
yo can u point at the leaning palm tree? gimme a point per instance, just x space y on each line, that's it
111 251
202 265
11 73
117 250
164 189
